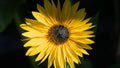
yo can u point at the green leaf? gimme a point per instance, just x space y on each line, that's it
117 64
8 9
32 62
85 63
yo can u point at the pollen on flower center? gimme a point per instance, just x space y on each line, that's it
58 34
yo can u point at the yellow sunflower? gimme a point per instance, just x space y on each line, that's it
61 35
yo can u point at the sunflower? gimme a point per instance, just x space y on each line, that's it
59 35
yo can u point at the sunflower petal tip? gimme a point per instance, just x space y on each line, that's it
83 9
36 60
25 46
87 54
31 54
22 25
78 3
27 54
90 48
26 19
33 12
38 6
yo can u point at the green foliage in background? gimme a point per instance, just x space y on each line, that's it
8 11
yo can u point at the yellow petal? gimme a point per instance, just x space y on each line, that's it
82 33
26 27
81 23
50 48
80 14
84 41
66 10
42 18
86 27
43 50
82 28
64 53
68 57
84 51
40 48
35 51
55 13
86 20
75 7
35 42
56 65
75 47
33 28
29 51
79 49
78 53
81 36
32 34
70 62
41 9
51 57
78 44
48 7
60 57
59 10
78 23
85 46
34 22
40 56
72 54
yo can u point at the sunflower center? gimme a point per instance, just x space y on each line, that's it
58 34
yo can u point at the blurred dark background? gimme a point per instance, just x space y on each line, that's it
106 50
